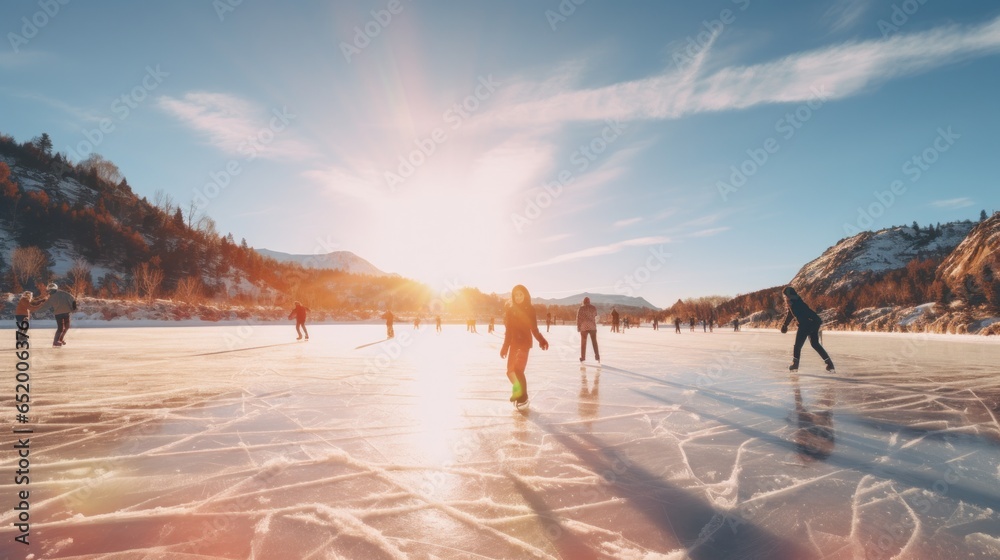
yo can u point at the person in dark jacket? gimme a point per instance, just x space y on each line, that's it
586 325
389 331
809 324
677 325
61 304
521 324
299 314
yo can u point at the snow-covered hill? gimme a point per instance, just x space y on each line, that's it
852 260
598 300
975 263
345 261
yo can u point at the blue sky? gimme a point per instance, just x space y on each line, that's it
658 149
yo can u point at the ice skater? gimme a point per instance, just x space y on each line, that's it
437 323
492 326
299 314
548 321
521 324
25 307
809 324
736 324
61 304
677 325
615 320
389 332
586 324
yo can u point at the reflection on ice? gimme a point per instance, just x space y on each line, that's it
176 442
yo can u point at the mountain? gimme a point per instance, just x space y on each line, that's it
857 259
971 270
600 300
345 261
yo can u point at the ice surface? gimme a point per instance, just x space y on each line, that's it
239 442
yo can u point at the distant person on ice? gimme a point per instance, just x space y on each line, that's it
586 324
25 307
389 332
493 325
677 325
736 324
299 314
809 324
548 321
520 324
437 323
61 304
615 320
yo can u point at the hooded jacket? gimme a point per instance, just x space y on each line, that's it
520 322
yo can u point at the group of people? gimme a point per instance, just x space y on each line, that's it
60 302
521 331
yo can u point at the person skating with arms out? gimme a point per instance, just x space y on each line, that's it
25 307
521 324
809 324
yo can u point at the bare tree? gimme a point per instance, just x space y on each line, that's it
188 290
147 280
105 169
26 263
79 276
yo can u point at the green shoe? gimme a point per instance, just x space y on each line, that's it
516 393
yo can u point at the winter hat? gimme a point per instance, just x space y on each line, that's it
52 286
790 291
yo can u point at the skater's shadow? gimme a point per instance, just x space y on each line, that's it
568 543
677 513
814 438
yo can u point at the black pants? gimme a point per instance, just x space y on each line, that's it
810 331
62 325
583 345
301 324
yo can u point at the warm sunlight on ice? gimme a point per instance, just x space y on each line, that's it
230 442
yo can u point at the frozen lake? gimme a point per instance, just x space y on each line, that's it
239 442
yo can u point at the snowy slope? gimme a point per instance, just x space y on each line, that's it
978 253
852 259
338 260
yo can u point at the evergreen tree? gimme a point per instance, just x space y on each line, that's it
44 143
982 215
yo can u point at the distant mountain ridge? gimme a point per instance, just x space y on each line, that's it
598 300
344 261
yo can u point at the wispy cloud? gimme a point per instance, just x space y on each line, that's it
237 126
838 71
845 13
708 232
953 203
600 250
627 222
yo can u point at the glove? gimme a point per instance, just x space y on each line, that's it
784 329
544 344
